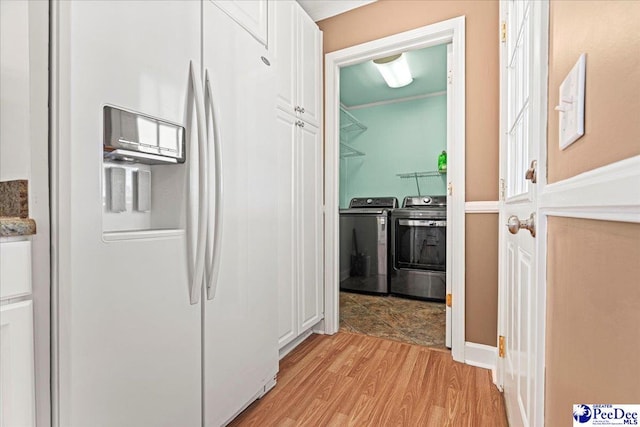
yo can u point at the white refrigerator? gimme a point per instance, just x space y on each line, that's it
163 271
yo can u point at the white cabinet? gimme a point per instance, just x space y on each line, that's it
286 133
300 291
308 201
15 269
298 49
17 381
249 14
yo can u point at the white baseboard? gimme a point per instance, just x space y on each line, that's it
319 328
482 356
293 344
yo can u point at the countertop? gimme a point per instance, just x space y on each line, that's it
14 209
13 226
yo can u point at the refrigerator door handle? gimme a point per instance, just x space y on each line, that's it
214 234
197 274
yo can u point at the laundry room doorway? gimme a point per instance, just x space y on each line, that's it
353 174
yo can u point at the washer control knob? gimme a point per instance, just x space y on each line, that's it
369 201
426 200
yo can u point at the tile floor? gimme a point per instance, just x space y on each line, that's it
400 319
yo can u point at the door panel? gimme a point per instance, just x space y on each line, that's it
17 377
523 131
286 243
240 322
286 53
309 78
249 14
310 227
129 339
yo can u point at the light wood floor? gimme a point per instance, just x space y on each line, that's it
357 380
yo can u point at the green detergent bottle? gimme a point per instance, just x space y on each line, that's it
442 162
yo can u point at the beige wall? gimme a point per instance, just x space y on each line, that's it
607 31
481 276
593 277
387 17
593 318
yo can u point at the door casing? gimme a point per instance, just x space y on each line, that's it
449 31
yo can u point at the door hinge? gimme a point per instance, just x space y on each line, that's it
501 346
450 189
502 189
503 31
449 300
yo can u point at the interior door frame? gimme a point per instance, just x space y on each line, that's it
449 31
538 105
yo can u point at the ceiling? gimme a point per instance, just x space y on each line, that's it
363 84
322 9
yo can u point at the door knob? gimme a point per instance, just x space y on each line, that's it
514 224
532 173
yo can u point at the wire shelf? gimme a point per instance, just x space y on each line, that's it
426 174
347 151
350 126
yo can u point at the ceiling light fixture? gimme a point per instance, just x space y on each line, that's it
394 70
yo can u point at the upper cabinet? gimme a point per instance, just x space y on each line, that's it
298 49
249 14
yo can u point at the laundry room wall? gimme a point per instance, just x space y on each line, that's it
400 138
387 17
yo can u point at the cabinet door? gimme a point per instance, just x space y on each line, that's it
285 52
15 269
310 220
249 14
17 383
309 68
286 131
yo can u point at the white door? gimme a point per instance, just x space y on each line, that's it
240 321
285 48
523 126
286 131
17 378
127 337
309 200
309 59
249 14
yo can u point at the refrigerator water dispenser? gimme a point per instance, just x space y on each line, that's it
139 138
145 174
